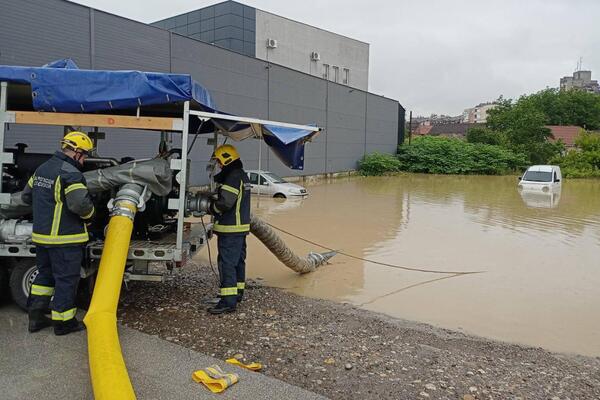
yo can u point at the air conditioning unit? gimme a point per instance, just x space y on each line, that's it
271 43
314 56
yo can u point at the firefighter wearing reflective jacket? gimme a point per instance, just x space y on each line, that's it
61 206
232 224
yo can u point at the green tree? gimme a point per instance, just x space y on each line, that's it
439 155
588 141
523 126
485 135
566 107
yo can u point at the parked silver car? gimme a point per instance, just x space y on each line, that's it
267 183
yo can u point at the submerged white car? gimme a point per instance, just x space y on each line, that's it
545 178
267 183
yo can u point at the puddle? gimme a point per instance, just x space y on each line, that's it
540 253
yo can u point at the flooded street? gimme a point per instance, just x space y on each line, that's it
539 254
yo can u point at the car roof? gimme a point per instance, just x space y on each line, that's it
542 168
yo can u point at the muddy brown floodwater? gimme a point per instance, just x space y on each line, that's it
540 254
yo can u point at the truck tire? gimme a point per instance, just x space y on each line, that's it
21 278
85 291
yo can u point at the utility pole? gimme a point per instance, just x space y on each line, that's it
410 127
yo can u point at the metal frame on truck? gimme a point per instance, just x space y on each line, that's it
141 253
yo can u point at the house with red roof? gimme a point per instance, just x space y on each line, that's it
567 134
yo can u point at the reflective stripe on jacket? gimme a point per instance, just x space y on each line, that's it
61 202
232 207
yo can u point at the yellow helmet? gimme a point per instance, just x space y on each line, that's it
226 153
77 141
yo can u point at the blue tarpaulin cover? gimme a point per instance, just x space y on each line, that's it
60 86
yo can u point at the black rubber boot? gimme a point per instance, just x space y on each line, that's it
240 295
221 308
37 307
38 321
66 327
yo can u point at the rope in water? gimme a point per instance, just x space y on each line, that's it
432 271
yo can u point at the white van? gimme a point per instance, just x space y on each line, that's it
546 178
267 183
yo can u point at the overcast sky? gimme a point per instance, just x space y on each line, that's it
438 56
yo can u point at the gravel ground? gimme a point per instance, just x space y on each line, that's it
343 352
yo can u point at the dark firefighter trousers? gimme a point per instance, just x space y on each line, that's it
232 267
58 276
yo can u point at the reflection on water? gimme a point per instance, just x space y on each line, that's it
540 254
540 199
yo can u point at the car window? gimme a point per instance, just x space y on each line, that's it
253 178
263 181
538 176
275 178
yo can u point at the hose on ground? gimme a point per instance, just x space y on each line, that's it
277 246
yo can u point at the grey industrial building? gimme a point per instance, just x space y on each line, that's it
355 122
270 37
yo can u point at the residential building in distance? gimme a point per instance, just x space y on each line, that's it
581 80
567 134
436 119
454 130
477 114
277 39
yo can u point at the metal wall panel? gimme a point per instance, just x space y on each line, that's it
300 99
345 127
35 32
32 33
125 44
382 124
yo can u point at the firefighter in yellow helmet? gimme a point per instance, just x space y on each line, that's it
232 224
61 206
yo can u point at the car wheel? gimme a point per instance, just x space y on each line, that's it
279 196
21 279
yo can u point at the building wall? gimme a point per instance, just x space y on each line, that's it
581 80
478 114
296 41
245 30
354 121
230 25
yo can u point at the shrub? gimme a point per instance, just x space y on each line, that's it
378 164
438 155
583 162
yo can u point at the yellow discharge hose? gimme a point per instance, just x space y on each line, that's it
108 372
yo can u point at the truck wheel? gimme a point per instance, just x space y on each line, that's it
21 278
84 294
